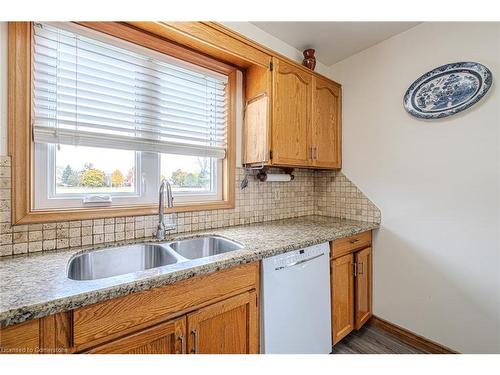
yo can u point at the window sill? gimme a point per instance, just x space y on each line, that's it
45 216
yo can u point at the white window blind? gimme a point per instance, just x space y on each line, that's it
109 93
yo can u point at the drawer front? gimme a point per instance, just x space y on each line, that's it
110 319
349 244
164 338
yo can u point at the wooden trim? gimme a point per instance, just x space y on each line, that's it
47 333
20 140
56 333
229 163
19 116
410 338
203 37
141 33
42 216
339 143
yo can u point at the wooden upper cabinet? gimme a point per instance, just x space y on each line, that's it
326 124
291 114
165 338
295 115
227 327
256 130
363 304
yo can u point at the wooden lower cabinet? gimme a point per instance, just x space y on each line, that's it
351 284
342 297
213 313
227 327
363 304
23 338
47 335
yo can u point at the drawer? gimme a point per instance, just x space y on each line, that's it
107 320
350 244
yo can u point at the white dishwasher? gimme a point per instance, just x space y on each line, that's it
295 303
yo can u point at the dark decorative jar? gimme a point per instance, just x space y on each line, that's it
309 59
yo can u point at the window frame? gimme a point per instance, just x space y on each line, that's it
21 146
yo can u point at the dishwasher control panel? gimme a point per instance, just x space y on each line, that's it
295 257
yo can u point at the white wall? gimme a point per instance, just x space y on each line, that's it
437 184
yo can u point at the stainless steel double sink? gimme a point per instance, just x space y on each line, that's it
99 264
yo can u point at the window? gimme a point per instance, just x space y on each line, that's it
191 175
88 170
111 119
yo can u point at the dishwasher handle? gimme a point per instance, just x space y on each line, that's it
298 262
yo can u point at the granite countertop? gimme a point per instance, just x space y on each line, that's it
35 286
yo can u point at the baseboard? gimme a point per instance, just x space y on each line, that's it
410 338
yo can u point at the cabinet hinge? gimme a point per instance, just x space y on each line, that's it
270 154
271 66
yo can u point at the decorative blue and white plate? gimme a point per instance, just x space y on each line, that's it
447 90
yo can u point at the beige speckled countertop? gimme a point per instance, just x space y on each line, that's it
36 285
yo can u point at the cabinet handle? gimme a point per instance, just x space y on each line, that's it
311 156
195 337
354 241
181 339
360 270
315 155
355 269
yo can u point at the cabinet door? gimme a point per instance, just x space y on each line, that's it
256 130
326 124
363 260
22 338
291 118
165 338
226 327
342 286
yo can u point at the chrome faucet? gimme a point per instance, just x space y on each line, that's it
162 227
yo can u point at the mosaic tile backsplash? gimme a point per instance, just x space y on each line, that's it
335 195
311 192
